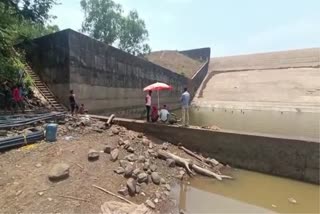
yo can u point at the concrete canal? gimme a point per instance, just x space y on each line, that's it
291 124
252 192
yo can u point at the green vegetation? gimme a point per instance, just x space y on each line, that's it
105 21
21 20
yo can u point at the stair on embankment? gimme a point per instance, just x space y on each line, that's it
45 91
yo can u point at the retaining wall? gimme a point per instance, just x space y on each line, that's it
49 58
293 158
104 78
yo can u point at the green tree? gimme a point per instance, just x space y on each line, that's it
133 35
106 22
19 20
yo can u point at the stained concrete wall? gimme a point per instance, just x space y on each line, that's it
199 76
49 57
273 60
292 158
109 80
105 79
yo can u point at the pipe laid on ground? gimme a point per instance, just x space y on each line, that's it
21 140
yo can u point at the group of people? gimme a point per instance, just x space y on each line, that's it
13 96
164 115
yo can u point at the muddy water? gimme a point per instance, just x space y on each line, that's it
292 124
250 192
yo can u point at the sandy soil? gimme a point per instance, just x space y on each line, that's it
25 187
175 61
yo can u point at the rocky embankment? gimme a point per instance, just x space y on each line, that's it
93 163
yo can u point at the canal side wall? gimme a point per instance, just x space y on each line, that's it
292 158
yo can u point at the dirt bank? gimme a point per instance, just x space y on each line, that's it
26 185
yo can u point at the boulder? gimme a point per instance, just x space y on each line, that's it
126 144
123 191
131 158
131 185
150 145
130 149
150 204
107 149
115 131
140 135
93 155
153 168
162 181
119 170
141 159
120 142
142 177
146 166
164 146
167 186
136 172
138 189
59 172
145 142
114 155
124 163
128 171
155 178
171 162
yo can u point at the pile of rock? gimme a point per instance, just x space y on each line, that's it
137 164
83 124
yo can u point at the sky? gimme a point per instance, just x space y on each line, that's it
228 27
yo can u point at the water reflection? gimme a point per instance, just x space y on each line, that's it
250 192
293 124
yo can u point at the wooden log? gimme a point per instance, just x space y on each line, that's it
179 160
109 121
205 172
201 159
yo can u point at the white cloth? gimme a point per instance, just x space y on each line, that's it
148 101
164 115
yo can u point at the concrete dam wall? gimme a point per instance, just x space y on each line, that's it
285 80
273 60
104 78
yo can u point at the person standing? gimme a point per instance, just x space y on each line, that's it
185 101
72 101
148 104
18 102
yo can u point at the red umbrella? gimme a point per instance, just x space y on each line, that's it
158 86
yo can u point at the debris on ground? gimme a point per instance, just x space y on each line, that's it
127 165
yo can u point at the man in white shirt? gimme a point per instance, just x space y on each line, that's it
148 105
164 114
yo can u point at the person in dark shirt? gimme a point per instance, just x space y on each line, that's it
73 104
